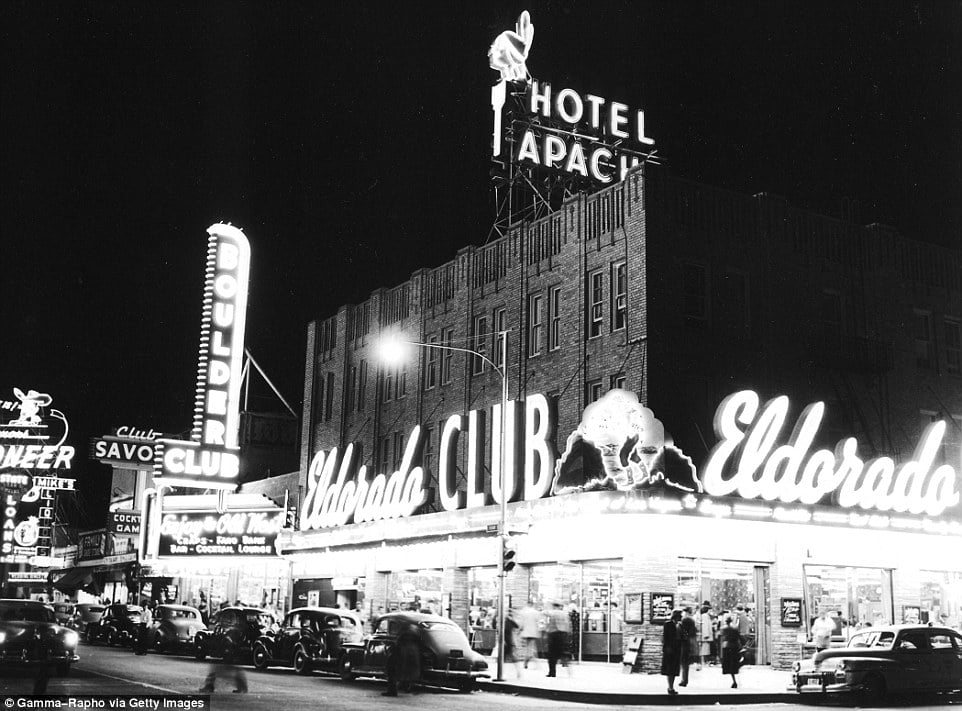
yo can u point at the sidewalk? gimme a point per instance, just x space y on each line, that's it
596 682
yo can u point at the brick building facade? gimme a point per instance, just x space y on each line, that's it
682 294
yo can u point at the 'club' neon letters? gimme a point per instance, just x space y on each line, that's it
787 473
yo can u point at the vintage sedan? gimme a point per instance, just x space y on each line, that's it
231 633
174 628
84 614
31 637
309 638
444 655
118 625
879 660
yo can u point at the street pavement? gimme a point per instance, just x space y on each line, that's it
583 687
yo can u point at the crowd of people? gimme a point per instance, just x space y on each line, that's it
704 638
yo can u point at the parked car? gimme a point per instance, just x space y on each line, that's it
63 611
444 655
878 660
30 636
118 625
174 628
309 638
231 633
83 614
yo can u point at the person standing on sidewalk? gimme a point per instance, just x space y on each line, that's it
731 650
671 650
511 640
822 630
688 632
559 627
706 634
530 632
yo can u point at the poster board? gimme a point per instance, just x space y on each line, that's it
662 605
634 613
790 612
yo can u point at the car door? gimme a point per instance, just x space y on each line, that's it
287 637
376 653
916 662
947 659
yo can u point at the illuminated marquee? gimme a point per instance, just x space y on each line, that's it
210 459
563 130
233 533
750 461
337 495
130 447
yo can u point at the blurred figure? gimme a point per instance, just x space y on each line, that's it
530 624
688 634
511 640
558 629
671 650
731 650
822 630
228 670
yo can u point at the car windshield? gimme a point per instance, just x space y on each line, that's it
26 613
62 608
94 611
181 614
878 640
133 612
260 618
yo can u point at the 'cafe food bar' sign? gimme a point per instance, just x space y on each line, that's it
210 459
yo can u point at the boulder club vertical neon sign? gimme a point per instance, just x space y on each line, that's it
210 459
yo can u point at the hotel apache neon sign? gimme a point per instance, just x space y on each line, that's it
750 461
210 459
592 142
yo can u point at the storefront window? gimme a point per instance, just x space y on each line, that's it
941 598
592 594
415 590
853 597
483 597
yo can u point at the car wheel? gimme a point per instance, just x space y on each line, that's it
467 686
200 653
111 638
227 655
346 669
301 663
260 657
63 669
874 688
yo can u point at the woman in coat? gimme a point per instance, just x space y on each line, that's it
671 650
731 650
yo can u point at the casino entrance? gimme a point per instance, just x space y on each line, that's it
728 584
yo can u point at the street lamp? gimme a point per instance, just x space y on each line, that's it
392 350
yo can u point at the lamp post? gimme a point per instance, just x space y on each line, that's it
390 350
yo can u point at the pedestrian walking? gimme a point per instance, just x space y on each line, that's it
144 632
706 634
731 650
530 632
671 650
511 639
688 633
822 630
401 666
558 629
227 670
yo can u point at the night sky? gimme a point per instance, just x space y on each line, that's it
350 141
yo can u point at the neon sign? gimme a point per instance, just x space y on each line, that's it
210 459
337 496
563 131
232 533
749 460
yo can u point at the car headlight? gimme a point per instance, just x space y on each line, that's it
3 637
70 638
796 666
841 666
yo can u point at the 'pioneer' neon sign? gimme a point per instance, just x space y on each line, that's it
789 472
210 459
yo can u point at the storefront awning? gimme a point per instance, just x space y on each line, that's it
78 579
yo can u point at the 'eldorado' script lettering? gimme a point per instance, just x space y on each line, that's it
787 473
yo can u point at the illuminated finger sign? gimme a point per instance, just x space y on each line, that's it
210 459
750 460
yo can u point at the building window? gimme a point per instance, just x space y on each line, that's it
361 386
596 303
319 397
432 357
398 450
479 344
500 329
388 394
619 296
402 381
329 401
922 331
427 452
351 389
554 318
953 347
447 336
535 324
592 391
696 292
385 455
619 381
